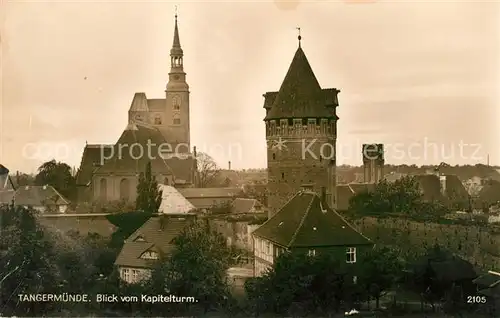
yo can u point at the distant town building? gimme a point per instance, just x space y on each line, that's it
44 199
373 162
206 198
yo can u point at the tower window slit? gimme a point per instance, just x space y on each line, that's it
282 175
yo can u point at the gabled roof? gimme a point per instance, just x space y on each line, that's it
430 186
158 233
361 187
93 157
490 193
300 95
455 190
173 202
210 192
183 168
139 102
243 205
304 221
127 154
446 265
39 196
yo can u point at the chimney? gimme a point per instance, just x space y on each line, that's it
194 151
229 164
442 183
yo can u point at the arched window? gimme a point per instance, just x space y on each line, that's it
124 189
103 189
157 120
176 103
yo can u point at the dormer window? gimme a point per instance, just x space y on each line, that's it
149 255
139 239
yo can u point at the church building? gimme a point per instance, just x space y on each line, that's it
301 134
157 132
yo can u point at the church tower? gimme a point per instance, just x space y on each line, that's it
301 134
176 127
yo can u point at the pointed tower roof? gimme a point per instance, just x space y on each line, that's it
300 95
176 45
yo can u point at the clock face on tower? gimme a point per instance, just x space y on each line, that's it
138 117
176 77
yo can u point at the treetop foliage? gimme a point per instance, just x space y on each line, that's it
149 195
401 197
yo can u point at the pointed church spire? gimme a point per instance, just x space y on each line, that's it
177 42
300 36
176 52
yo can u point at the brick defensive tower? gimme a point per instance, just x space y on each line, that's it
301 134
373 162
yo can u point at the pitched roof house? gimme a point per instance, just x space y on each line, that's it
41 198
243 205
490 193
173 202
306 223
205 198
147 245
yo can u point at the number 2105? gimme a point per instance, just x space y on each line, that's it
476 299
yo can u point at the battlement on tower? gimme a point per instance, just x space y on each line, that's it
301 127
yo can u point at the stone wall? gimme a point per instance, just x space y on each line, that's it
479 245
84 224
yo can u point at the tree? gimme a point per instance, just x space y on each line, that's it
23 179
198 266
401 197
58 175
27 263
208 170
149 195
380 270
298 280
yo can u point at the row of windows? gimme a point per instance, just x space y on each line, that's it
350 254
176 121
125 190
130 275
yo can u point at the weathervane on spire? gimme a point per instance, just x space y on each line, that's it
176 12
299 37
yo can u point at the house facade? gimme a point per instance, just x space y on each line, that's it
307 224
148 245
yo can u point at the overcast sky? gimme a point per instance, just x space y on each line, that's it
410 74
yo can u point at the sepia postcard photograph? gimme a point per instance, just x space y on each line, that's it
258 158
